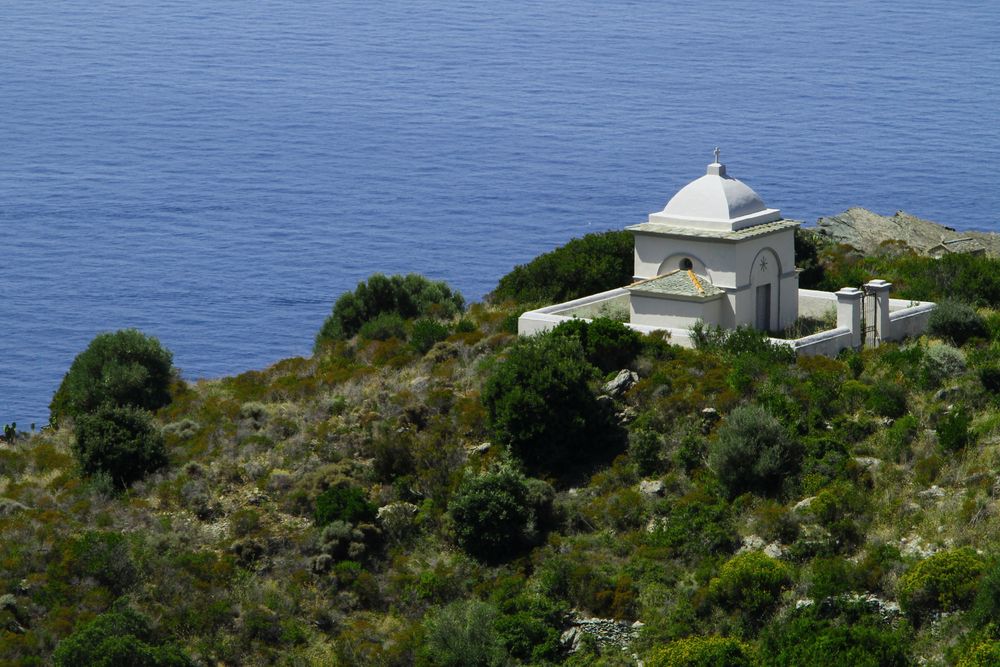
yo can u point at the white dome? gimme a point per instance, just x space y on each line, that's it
716 201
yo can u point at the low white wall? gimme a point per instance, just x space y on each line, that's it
829 343
813 303
908 319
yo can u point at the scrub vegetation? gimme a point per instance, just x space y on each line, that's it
428 489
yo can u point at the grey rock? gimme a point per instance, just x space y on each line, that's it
774 550
868 462
622 383
480 448
9 506
652 487
947 393
867 231
802 507
933 493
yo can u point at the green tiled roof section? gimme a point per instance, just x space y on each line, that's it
677 283
748 233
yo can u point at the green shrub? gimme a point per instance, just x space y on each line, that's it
753 452
383 327
493 514
942 362
702 652
405 296
607 344
588 265
833 634
986 608
425 332
946 581
953 430
117 638
121 442
462 634
984 654
830 577
956 322
699 524
538 402
343 503
105 557
887 399
126 367
645 448
990 377
750 584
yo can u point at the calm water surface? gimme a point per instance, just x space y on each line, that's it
217 173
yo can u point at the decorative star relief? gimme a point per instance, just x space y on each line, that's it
763 263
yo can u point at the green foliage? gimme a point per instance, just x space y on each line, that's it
703 652
940 363
538 402
753 452
493 514
953 430
118 638
750 584
645 448
462 634
383 327
343 503
699 524
121 442
126 367
105 557
807 260
946 581
594 263
831 634
956 322
425 332
406 296
887 399
607 344
990 377
983 654
986 608
749 352
530 625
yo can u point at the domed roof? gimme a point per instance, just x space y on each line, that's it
716 201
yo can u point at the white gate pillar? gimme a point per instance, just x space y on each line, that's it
849 313
880 289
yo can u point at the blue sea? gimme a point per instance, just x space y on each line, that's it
217 173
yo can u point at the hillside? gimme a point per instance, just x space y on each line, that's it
425 489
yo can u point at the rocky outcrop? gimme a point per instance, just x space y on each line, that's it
866 231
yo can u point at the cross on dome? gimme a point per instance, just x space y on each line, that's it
717 152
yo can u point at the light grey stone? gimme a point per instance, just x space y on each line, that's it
622 383
652 487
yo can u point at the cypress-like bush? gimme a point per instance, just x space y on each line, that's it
116 638
120 442
343 503
126 367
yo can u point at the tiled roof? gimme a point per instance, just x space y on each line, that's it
677 283
748 233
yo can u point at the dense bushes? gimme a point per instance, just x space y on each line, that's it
703 652
607 344
588 265
126 367
343 503
404 297
832 634
750 585
120 442
957 322
496 515
945 581
753 452
462 634
538 402
114 639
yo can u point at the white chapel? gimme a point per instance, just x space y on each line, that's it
715 253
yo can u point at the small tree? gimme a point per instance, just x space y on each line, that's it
462 634
126 367
539 403
946 581
750 584
494 514
753 452
607 344
121 442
